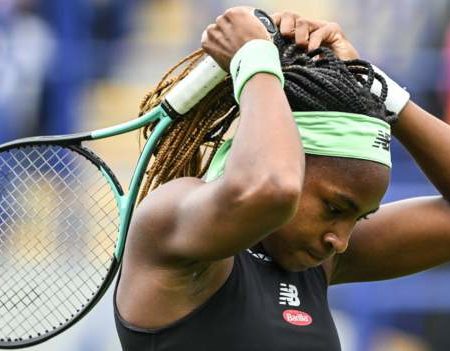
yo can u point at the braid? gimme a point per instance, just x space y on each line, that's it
190 142
320 81
315 81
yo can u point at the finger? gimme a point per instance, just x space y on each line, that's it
276 17
221 19
223 23
212 39
205 34
203 39
316 24
287 25
315 39
302 32
322 36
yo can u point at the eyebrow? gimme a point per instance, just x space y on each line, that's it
352 204
348 201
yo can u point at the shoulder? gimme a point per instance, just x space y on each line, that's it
159 204
154 219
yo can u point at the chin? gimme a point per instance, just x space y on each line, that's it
297 262
296 267
293 265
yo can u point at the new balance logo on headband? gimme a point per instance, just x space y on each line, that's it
383 141
289 295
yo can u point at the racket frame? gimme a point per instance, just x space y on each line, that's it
124 201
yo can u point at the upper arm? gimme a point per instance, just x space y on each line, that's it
401 238
259 191
197 221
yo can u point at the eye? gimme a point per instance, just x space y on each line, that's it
334 210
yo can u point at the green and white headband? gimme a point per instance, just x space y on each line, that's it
333 134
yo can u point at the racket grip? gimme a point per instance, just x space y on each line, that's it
195 86
204 78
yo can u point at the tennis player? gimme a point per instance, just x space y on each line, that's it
242 259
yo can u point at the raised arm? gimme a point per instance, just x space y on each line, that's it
427 139
190 220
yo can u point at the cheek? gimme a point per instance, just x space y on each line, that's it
304 231
305 227
309 221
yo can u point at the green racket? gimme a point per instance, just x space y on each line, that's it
64 217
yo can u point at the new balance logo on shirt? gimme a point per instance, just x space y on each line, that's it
289 295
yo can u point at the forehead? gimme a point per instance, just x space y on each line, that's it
365 182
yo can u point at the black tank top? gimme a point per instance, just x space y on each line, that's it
260 307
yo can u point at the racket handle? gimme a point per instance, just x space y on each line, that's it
194 87
203 78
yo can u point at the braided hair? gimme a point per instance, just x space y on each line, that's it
319 81
314 81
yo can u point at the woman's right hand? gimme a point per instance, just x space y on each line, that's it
222 39
310 34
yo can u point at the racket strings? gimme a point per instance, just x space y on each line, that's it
50 267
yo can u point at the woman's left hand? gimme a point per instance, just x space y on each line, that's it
311 34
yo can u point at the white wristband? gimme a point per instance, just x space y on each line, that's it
397 97
255 56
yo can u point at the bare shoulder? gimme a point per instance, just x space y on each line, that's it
154 221
151 270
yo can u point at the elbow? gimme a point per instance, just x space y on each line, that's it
277 196
279 192
280 201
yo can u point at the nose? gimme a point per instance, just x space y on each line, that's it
339 242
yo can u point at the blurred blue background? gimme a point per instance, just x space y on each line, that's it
68 66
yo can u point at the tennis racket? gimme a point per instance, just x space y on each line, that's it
64 216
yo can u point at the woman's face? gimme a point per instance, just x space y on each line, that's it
337 193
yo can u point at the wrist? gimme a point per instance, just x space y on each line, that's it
255 56
397 97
